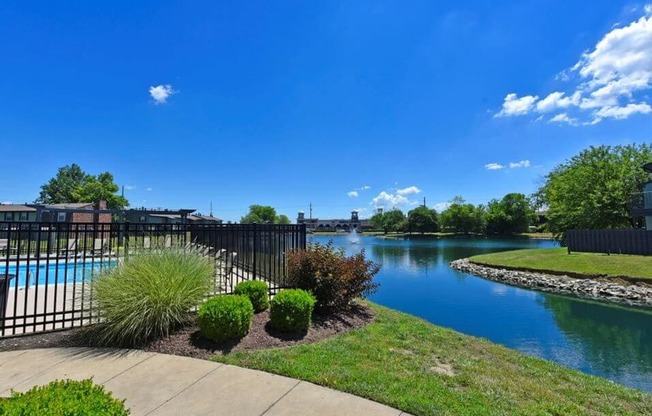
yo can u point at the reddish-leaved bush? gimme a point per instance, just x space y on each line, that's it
332 277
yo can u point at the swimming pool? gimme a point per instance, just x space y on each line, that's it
53 272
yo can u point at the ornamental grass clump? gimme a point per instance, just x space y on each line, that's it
225 317
62 398
291 310
333 278
256 291
149 295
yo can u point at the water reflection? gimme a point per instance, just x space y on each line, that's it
610 341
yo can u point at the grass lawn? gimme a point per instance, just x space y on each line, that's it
558 260
410 364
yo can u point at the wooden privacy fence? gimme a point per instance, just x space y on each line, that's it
632 241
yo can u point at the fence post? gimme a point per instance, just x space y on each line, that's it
255 248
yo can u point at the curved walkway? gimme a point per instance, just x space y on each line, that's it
158 384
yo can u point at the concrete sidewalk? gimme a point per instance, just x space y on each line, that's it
158 384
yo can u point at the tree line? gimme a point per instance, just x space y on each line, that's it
595 189
514 213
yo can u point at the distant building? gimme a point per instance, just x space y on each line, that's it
82 212
167 216
642 202
72 213
315 224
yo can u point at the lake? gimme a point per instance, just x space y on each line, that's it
609 341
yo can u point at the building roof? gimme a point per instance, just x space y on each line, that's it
203 218
71 205
16 208
170 216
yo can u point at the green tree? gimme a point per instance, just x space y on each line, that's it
61 188
101 187
461 217
283 219
263 214
377 221
72 184
422 220
513 214
393 220
593 190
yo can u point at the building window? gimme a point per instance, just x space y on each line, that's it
9 216
61 216
142 218
23 216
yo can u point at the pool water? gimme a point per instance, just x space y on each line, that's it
53 272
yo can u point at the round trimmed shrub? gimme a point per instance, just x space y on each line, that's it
257 293
291 310
64 397
225 317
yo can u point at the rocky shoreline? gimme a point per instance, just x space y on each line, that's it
610 290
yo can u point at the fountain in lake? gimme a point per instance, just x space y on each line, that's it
353 236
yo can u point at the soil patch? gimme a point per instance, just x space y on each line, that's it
187 342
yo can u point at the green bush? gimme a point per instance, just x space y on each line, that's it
291 310
63 397
149 295
225 317
257 293
333 278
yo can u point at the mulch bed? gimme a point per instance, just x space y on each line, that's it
187 342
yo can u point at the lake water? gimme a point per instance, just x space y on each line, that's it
609 341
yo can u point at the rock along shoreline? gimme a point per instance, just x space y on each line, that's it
603 289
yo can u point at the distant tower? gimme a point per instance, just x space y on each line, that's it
354 216
301 217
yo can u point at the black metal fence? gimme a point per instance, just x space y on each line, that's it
626 241
45 268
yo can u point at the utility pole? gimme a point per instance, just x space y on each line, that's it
211 213
311 210
424 201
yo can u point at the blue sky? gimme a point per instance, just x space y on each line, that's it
348 105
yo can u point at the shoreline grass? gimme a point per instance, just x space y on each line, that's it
410 364
557 260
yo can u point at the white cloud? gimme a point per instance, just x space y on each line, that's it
130 187
388 200
612 80
512 165
161 93
520 164
352 194
441 206
494 166
361 211
385 200
410 190
6 202
557 100
563 118
365 188
620 113
514 106
148 189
